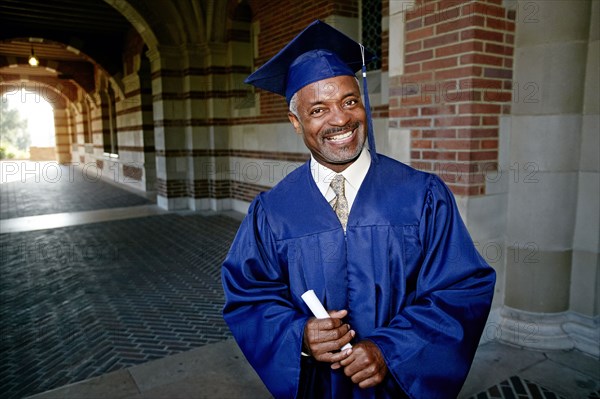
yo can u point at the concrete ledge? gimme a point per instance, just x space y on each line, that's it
212 371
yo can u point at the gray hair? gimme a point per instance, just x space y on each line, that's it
294 105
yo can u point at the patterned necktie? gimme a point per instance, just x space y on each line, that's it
339 203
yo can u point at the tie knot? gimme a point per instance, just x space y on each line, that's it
337 185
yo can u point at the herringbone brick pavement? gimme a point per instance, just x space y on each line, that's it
77 302
41 188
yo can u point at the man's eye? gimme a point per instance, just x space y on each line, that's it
316 111
350 103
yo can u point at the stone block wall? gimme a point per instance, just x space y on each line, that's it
554 178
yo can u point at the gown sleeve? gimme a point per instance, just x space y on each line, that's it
430 344
258 305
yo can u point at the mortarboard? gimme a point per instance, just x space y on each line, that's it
318 52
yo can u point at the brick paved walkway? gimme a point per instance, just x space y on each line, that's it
77 302
41 188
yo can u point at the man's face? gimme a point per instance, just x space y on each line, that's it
332 120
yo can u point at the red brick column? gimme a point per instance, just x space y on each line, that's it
457 82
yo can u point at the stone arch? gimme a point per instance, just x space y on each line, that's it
83 80
60 95
138 22
56 92
232 10
192 30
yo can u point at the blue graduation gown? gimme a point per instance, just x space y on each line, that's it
407 272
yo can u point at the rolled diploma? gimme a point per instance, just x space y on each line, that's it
318 310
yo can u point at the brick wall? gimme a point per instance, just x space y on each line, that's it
457 82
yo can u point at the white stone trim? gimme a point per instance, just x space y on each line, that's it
209 204
172 204
585 332
549 331
240 206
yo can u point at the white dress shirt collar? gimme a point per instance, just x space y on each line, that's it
354 175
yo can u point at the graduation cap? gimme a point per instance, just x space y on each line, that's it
318 52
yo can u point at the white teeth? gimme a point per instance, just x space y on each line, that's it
340 137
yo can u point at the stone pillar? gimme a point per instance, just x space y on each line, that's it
71 112
206 84
195 90
83 130
101 124
61 129
147 124
545 143
170 116
136 135
584 299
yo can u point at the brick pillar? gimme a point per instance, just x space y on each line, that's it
61 131
456 83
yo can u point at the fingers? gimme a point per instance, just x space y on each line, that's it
364 374
327 351
365 365
338 314
323 330
323 338
337 357
323 324
371 381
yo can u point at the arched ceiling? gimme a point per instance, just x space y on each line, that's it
93 27
71 37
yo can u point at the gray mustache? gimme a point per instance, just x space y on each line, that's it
350 126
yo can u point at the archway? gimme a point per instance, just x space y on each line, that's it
34 136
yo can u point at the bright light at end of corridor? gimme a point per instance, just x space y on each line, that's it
39 115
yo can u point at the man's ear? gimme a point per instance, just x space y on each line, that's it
294 121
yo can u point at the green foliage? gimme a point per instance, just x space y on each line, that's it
13 129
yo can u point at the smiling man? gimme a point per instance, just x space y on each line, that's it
332 120
381 244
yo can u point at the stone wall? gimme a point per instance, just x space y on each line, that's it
552 273
42 154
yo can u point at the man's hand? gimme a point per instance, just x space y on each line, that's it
365 365
324 337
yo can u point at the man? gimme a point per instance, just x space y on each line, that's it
381 244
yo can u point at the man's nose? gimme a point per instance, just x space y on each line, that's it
339 116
